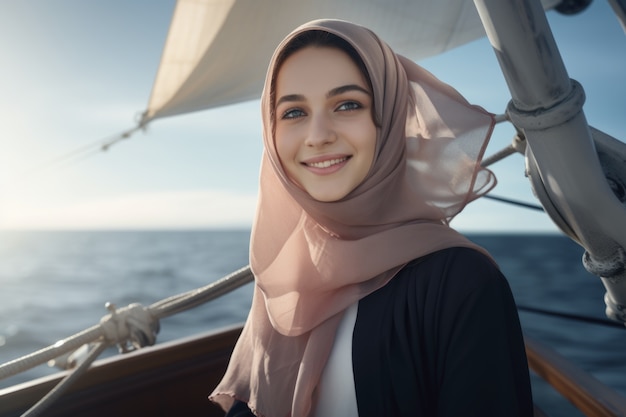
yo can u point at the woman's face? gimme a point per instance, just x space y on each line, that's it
325 136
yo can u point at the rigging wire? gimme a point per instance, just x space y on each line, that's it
81 153
514 202
571 316
92 149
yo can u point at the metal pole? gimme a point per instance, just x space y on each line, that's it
562 162
525 48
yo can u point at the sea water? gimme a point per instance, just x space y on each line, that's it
54 284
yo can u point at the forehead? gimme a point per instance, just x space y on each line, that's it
315 67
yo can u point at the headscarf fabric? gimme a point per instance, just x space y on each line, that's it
312 259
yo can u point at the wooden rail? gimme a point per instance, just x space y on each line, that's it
590 396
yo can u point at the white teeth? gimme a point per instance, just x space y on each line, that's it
326 164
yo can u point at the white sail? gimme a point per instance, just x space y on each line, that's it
217 51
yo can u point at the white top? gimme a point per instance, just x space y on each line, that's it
337 396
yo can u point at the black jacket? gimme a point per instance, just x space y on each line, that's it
441 339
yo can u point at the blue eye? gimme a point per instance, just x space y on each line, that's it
349 105
292 114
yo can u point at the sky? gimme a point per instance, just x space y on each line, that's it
74 72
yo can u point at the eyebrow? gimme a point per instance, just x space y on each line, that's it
334 92
345 88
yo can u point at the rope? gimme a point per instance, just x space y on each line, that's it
131 328
133 324
57 391
72 343
190 299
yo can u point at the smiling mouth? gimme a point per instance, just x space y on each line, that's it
326 164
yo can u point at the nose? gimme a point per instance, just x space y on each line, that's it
320 132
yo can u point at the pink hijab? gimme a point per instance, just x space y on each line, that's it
312 259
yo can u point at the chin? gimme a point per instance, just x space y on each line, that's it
327 197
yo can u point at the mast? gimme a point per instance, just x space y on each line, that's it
561 156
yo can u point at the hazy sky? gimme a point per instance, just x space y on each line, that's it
74 72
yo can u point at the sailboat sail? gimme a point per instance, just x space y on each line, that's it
216 52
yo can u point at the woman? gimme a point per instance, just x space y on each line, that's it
366 302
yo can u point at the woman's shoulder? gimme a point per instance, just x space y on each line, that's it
454 274
458 259
457 268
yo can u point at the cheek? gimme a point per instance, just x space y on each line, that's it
285 148
368 143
